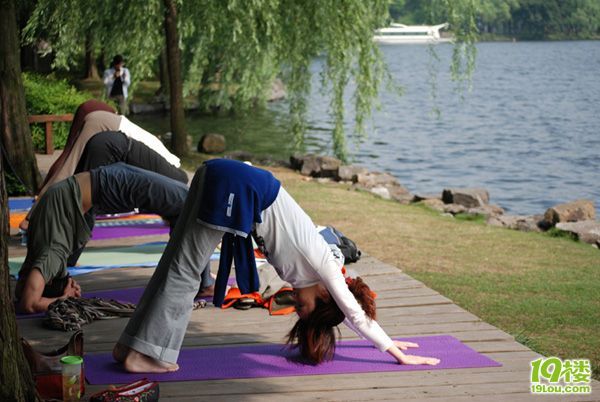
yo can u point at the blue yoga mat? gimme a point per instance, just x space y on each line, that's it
19 204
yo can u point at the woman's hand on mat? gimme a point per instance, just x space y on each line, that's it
405 345
72 289
416 360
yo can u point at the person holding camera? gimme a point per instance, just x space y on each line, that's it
117 79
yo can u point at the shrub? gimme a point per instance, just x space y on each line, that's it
47 95
13 185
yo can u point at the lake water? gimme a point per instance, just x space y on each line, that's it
529 131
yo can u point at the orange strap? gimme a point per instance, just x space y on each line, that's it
284 310
234 294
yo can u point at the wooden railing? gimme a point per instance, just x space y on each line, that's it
49 119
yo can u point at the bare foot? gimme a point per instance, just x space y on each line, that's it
136 362
120 352
206 292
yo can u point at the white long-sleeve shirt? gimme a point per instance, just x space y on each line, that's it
303 258
134 131
109 79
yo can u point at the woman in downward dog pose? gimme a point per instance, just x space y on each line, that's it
230 200
100 137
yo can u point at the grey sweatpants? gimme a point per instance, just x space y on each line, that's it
158 325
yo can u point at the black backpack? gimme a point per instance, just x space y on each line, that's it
348 247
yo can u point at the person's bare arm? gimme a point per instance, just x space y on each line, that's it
31 299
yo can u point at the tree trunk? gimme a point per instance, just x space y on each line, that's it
90 68
179 137
163 74
15 134
15 375
100 62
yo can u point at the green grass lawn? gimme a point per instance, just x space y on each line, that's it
541 289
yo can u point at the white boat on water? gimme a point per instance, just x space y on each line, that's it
400 33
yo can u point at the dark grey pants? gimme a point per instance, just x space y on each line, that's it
110 147
158 325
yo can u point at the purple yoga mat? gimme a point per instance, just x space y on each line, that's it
114 232
275 361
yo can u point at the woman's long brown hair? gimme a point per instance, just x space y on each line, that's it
315 336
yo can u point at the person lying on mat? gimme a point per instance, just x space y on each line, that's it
100 137
244 200
58 226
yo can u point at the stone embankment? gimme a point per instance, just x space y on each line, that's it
576 217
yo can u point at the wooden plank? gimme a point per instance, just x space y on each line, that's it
404 293
513 397
49 138
35 330
48 119
505 391
413 301
106 334
497 346
371 266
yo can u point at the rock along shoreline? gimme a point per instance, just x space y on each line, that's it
578 217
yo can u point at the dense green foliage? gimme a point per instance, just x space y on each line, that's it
233 49
13 185
46 95
524 19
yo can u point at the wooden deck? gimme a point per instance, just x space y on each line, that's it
406 307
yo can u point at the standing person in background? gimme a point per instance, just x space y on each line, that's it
117 79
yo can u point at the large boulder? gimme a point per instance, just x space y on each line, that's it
382 192
423 197
374 179
211 144
383 184
400 194
579 210
454 209
316 166
467 197
350 172
586 231
434 203
530 223
486 210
